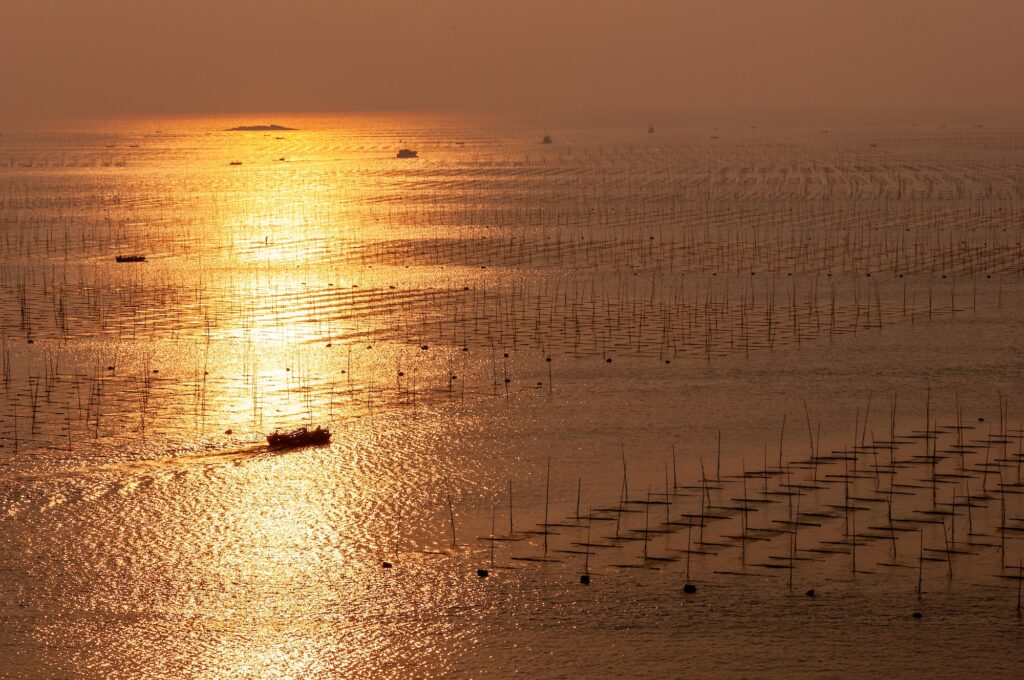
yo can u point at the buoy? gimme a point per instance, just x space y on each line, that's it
689 588
482 573
810 593
585 579
917 615
386 565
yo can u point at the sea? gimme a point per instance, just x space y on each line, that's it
655 399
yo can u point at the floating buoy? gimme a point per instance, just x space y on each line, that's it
810 593
482 573
916 615
585 579
386 565
689 588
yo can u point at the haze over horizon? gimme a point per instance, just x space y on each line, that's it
65 58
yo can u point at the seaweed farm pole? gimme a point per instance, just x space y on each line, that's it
451 511
579 491
764 477
1002 518
949 556
782 434
704 483
493 511
796 529
510 508
625 480
920 563
970 515
618 514
743 524
668 501
853 532
586 556
810 434
892 438
547 494
675 483
647 516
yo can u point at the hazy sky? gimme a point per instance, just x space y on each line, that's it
83 57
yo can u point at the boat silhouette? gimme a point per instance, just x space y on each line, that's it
302 436
406 153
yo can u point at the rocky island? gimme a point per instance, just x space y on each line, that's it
259 128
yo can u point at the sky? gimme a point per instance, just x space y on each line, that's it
73 58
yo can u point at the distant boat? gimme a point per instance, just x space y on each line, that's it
130 258
650 130
546 140
406 153
302 436
235 163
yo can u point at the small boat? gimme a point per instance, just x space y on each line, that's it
302 436
235 163
546 140
406 153
130 258
650 130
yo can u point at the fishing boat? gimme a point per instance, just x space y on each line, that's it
546 140
650 130
130 258
406 153
302 436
